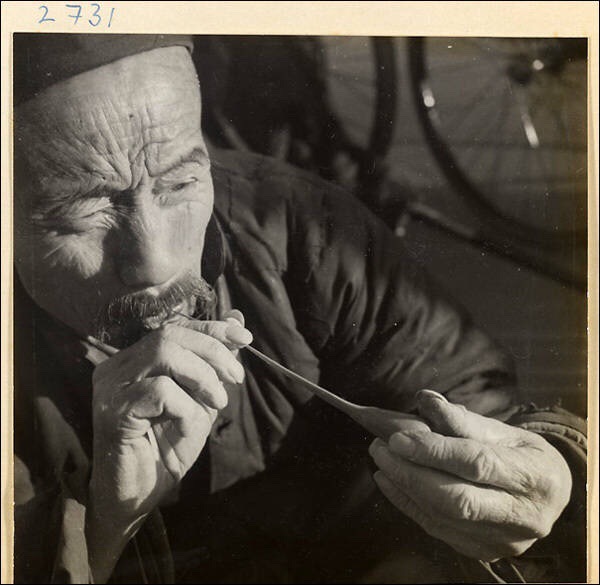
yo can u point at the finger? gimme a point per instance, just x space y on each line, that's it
105 347
236 315
156 401
97 351
228 332
158 397
236 318
180 442
477 462
403 502
472 541
198 378
203 345
448 495
493 510
436 527
455 420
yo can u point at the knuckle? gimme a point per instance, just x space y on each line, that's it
161 386
532 520
541 528
540 531
399 477
164 350
166 335
213 349
215 330
467 507
436 449
530 482
168 331
558 485
484 465
99 373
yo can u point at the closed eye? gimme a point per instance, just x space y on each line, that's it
183 185
88 207
75 215
178 191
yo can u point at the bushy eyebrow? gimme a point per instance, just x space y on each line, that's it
196 155
53 201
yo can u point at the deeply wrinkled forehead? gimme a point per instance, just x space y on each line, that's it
146 106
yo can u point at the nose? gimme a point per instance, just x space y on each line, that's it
145 255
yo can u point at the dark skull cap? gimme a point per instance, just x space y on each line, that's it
42 59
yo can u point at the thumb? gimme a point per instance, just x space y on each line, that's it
455 420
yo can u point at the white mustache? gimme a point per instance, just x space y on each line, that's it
134 314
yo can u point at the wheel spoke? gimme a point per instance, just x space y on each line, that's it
518 144
458 123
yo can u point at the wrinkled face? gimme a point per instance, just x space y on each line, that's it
113 193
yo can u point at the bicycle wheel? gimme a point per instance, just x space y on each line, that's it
506 120
361 93
326 104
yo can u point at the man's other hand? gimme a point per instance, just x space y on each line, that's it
487 489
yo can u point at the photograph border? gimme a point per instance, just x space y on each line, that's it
487 19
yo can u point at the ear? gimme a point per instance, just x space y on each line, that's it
213 256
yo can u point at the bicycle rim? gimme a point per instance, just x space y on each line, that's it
510 195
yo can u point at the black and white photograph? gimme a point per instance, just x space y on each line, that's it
292 308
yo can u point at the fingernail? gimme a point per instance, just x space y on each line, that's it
431 394
405 443
236 315
402 442
375 447
238 335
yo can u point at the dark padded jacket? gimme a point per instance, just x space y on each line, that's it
328 291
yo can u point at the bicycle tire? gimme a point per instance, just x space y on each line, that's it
370 150
446 156
288 95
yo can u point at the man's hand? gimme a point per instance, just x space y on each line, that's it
153 407
487 489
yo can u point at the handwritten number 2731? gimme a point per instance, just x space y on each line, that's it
77 12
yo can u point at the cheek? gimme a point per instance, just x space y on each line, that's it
40 250
54 265
187 228
79 255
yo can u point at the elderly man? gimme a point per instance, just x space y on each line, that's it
151 447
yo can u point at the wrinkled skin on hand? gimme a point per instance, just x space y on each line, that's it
487 489
154 405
